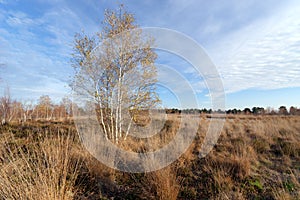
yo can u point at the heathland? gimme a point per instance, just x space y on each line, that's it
256 157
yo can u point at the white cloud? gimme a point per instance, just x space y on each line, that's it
264 55
34 65
20 19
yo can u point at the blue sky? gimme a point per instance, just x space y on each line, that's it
254 44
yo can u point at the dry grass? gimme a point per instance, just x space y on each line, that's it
165 183
256 157
44 169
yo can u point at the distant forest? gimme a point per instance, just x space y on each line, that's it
282 110
46 109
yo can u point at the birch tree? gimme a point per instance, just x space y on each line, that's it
28 109
45 107
115 70
7 111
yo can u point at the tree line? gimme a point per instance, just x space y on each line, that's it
45 109
282 110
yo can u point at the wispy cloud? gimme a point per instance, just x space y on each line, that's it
267 58
36 49
255 44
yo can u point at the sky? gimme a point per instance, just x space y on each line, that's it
254 45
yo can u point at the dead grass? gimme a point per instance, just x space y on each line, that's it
44 169
165 183
256 157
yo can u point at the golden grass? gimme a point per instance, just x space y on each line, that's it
256 157
44 169
165 183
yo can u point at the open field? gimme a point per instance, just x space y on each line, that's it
256 157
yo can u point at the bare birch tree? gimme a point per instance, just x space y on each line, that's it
28 109
119 76
45 107
7 110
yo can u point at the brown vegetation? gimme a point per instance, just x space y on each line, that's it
256 157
